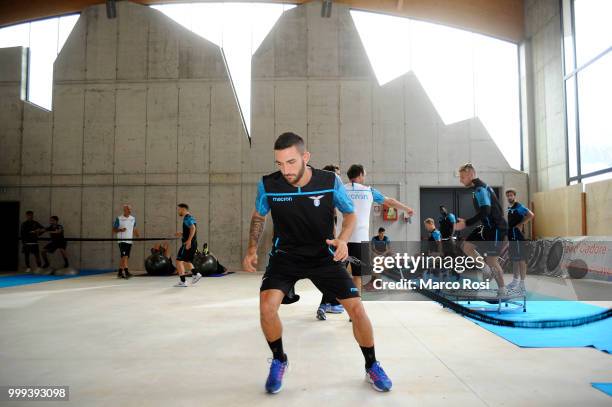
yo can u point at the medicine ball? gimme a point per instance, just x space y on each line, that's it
158 265
205 264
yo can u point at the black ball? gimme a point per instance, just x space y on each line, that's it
205 264
158 265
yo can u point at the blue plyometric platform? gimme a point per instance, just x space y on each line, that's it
597 334
25 279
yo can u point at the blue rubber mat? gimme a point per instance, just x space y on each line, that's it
604 387
597 334
25 279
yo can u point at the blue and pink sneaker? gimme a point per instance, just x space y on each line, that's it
378 378
274 383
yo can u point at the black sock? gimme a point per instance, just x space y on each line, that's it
277 350
126 271
369 355
66 263
182 278
46 264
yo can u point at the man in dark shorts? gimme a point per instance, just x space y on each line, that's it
518 216
30 229
491 234
329 304
58 242
189 239
125 230
446 223
301 200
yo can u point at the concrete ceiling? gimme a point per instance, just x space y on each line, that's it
498 18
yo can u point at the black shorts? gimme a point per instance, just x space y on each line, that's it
488 241
125 249
331 279
28 249
448 247
187 255
517 248
359 251
52 246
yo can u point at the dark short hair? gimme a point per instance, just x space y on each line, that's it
354 171
183 205
331 167
511 191
287 140
29 213
381 229
55 218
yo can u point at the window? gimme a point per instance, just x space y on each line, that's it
45 39
464 74
587 37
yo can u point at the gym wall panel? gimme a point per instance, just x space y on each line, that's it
599 217
10 132
131 131
194 128
163 50
162 119
558 212
355 123
68 129
291 107
388 149
323 126
290 44
226 131
133 26
36 148
101 45
259 156
99 131
322 39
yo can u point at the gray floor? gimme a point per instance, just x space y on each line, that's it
143 343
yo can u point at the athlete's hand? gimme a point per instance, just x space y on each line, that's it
409 212
341 252
460 225
249 263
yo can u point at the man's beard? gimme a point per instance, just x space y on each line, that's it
298 176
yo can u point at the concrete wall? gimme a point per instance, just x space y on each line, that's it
546 159
143 113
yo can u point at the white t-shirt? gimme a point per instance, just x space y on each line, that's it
363 197
129 223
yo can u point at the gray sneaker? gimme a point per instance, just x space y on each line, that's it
502 292
513 285
196 278
181 284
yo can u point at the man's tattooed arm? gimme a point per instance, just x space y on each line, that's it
258 223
